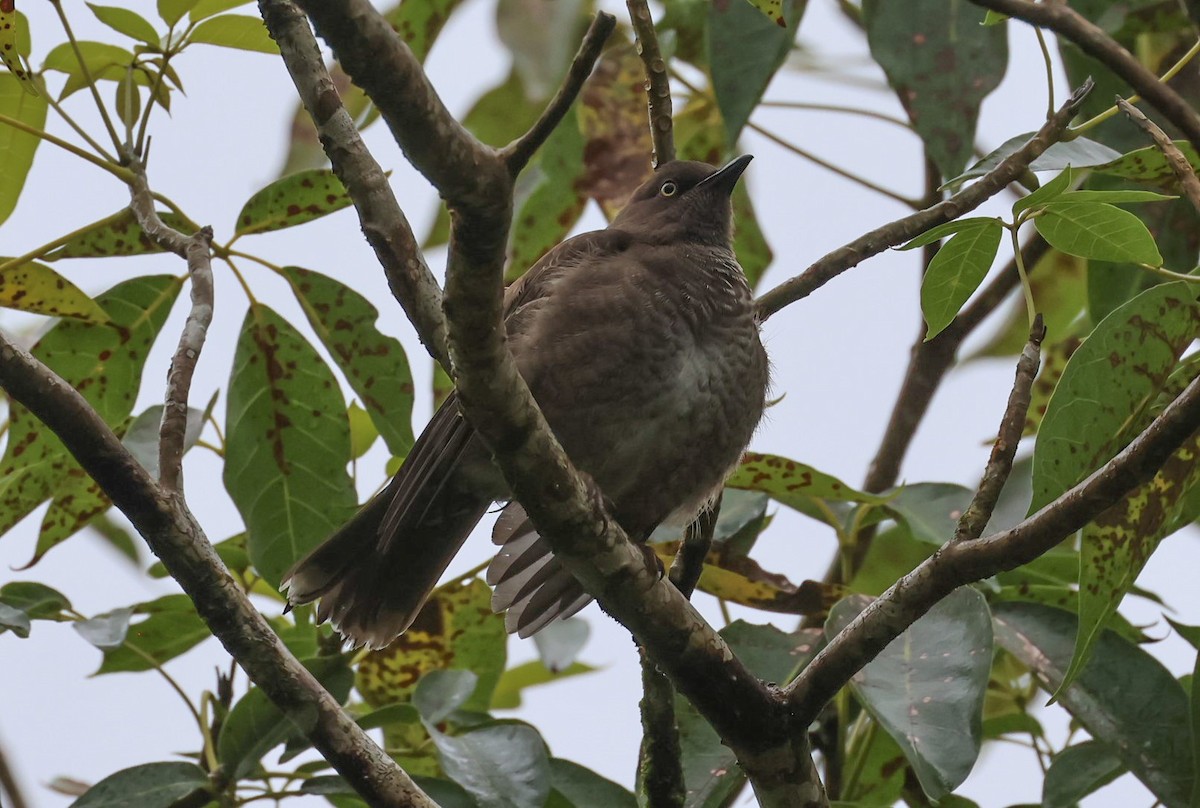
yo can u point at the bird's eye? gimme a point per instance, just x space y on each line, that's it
668 188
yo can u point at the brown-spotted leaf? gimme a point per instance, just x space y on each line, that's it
797 485
1054 361
116 235
77 501
1118 543
15 43
1108 383
613 117
941 62
374 363
288 444
37 288
292 200
1148 165
456 628
104 362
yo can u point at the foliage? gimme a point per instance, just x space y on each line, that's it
1116 285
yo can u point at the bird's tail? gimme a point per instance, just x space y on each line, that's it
373 575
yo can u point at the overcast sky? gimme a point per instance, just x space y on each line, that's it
838 358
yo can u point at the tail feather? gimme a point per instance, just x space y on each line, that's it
375 573
530 585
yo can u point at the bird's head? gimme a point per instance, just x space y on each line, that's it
684 200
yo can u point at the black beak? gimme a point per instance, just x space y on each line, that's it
724 179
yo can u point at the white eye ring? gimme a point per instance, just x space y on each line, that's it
669 188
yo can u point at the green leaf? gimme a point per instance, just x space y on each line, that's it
541 38
103 362
926 688
584 788
104 62
946 229
956 272
942 63
116 235
14 619
1080 153
142 436
374 364
1078 771
1099 231
559 643
172 11
38 601
171 629
507 695
292 200
710 768
550 201
255 725
440 693
37 288
363 432
15 43
1114 197
288 444
203 9
795 484
150 785
930 510
1124 697
235 31
16 147
108 630
1047 193
1109 380
503 765
77 500
744 51
126 22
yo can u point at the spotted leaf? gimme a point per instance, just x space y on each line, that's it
39 289
292 200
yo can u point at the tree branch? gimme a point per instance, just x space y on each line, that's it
197 250
961 562
383 222
518 153
658 90
565 506
175 536
895 233
1091 39
9 786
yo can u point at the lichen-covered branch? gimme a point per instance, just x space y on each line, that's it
383 222
895 233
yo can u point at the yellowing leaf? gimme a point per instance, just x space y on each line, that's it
39 289
14 43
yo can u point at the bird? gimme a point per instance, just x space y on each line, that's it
640 345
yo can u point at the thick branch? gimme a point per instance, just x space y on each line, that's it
1091 39
658 89
963 562
173 534
383 223
895 233
518 153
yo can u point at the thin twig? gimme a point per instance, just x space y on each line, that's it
518 153
689 561
895 233
9 785
963 562
1092 40
658 82
999 465
1175 159
383 222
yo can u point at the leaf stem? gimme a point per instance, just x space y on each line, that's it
87 74
118 171
1133 99
1041 38
1026 288
815 107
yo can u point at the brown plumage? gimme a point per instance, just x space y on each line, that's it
640 345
